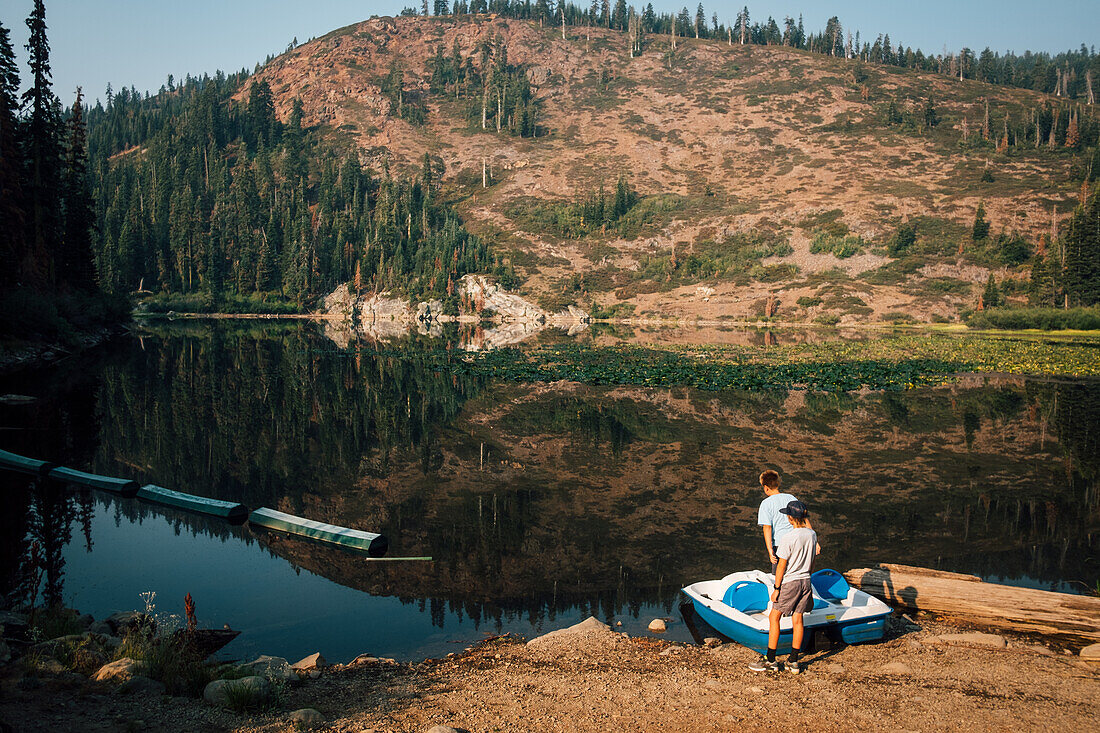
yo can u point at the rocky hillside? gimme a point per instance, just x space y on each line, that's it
770 181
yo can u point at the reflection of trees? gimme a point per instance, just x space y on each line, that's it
256 415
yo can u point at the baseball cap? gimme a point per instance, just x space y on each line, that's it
795 509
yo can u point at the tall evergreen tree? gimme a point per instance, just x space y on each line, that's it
76 263
12 250
42 151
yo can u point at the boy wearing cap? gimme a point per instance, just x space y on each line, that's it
792 595
771 520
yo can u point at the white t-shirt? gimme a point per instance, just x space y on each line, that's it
799 548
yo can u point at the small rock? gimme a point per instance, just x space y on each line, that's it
895 668
314 674
313 661
657 625
139 685
712 683
443 729
1038 649
307 717
618 623
49 665
86 621
102 628
216 693
755 690
1091 653
831 667
668 652
273 668
913 644
124 620
711 642
993 641
369 659
119 670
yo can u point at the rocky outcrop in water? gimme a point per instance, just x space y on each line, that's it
381 316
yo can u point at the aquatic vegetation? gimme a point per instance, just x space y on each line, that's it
891 362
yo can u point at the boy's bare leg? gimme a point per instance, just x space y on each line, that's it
796 643
773 633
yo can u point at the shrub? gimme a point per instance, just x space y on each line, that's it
809 301
1044 319
897 317
839 246
827 319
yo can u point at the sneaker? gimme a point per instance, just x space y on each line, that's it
795 667
763 665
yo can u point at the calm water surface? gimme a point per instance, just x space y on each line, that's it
540 504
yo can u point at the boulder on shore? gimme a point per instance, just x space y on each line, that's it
119 670
256 687
588 626
313 661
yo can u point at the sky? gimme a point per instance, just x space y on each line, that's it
140 42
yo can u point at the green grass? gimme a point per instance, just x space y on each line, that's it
269 303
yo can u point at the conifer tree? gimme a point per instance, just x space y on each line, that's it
76 262
12 250
980 230
42 151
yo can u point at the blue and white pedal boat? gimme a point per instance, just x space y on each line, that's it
737 607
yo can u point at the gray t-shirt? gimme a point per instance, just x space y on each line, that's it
799 548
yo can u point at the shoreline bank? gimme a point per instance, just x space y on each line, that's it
927 674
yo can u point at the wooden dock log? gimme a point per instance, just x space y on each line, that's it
1071 619
33 466
232 512
375 544
123 486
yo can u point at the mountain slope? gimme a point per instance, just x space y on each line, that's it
726 145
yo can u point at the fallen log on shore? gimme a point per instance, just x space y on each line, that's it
1068 618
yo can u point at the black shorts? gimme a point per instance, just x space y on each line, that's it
795 596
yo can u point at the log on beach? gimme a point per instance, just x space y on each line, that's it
1069 618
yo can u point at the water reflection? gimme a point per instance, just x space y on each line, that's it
541 499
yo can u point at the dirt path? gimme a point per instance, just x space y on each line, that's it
600 680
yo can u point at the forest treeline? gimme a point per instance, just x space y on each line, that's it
48 284
1072 73
197 193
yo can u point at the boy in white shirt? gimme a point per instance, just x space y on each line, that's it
792 595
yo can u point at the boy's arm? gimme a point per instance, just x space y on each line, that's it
779 571
768 541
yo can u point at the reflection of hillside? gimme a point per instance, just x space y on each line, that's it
629 493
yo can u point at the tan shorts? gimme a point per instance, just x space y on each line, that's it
795 596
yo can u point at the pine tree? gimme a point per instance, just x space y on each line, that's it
42 151
980 230
77 265
12 248
991 296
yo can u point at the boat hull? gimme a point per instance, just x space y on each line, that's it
854 619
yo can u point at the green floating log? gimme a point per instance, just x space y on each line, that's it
23 464
230 511
126 487
374 544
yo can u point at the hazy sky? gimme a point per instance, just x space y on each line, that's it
140 42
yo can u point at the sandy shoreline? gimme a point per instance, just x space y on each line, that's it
600 680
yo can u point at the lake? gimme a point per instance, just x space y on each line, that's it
540 503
